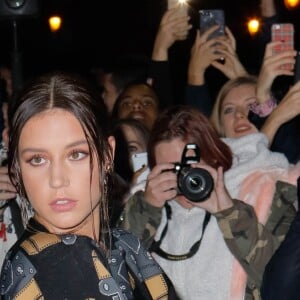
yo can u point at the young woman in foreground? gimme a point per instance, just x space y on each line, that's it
60 159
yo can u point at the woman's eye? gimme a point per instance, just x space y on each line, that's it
148 102
132 149
37 160
228 110
126 103
78 155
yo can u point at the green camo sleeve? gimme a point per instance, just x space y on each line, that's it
141 218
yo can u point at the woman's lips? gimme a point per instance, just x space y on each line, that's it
63 205
137 116
242 128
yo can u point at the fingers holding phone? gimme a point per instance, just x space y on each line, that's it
140 166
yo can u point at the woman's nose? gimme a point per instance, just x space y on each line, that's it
58 176
241 113
137 105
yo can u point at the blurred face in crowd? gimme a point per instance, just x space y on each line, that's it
135 141
110 92
235 109
139 102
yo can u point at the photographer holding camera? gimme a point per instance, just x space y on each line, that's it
198 240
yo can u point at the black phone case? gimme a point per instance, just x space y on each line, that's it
297 68
209 18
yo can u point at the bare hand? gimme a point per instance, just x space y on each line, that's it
219 198
230 65
172 28
161 186
271 68
137 174
8 191
203 53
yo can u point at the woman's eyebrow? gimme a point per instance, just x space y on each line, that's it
38 149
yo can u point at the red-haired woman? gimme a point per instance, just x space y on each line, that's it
199 231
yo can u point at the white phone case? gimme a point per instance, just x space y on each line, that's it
138 160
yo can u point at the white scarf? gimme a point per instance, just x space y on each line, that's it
250 154
252 179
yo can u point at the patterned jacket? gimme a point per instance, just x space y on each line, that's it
42 265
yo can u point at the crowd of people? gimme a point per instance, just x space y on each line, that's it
211 211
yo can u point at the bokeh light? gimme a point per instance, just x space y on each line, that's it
253 26
55 23
291 4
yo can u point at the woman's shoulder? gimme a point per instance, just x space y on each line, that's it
128 240
41 260
19 269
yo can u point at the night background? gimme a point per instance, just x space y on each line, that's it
96 32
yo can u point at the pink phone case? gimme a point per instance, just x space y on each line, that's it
283 33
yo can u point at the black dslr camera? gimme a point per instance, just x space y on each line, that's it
195 184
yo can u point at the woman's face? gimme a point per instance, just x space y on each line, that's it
235 110
139 102
171 152
55 166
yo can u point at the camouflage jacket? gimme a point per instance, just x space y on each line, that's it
249 241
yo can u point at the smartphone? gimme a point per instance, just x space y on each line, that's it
211 17
180 5
297 68
139 160
283 33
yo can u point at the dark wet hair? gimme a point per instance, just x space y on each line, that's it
74 94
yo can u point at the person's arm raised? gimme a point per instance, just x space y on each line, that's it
171 29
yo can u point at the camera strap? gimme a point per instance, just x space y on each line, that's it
155 247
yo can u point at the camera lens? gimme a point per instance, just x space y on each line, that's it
195 184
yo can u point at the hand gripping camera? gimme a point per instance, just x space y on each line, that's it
195 184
